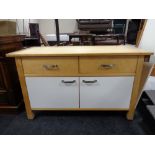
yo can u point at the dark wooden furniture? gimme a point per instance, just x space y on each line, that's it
34 38
96 26
93 39
83 38
10 91
115 39
105 31
30 41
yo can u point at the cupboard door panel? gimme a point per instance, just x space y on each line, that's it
105 92
53 92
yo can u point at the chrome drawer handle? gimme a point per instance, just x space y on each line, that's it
51 67
107 66
63 81
84 81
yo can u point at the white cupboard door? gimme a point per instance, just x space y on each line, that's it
105 92
53 92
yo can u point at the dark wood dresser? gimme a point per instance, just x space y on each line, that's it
10 91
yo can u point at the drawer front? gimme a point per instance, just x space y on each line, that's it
107 65
50 66
53 92
106 92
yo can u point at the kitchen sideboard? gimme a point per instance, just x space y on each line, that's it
81 77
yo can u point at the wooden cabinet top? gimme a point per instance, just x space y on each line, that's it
10 43
80 51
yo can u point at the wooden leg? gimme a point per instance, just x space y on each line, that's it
147 68
30 114
136 88
130 115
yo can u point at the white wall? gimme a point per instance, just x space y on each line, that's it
68 25
47 26
22 25
148 39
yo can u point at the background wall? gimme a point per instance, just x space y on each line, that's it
22 25
68 25
148 39
47 26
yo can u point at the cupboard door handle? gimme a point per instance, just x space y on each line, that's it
51 67
84 81
107 66
73 81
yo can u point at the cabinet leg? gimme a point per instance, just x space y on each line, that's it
30 116
136 88
130 115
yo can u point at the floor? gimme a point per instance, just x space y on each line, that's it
69 123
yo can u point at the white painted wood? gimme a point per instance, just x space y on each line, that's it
50 92
107 92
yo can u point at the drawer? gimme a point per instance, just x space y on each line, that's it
108 65
50 66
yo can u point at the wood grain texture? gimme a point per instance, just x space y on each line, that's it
136 88
81 75
29 112
140 34
153 71
80 51
88 66
121 64
10 92
81 109
65 65
128 59
147 68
